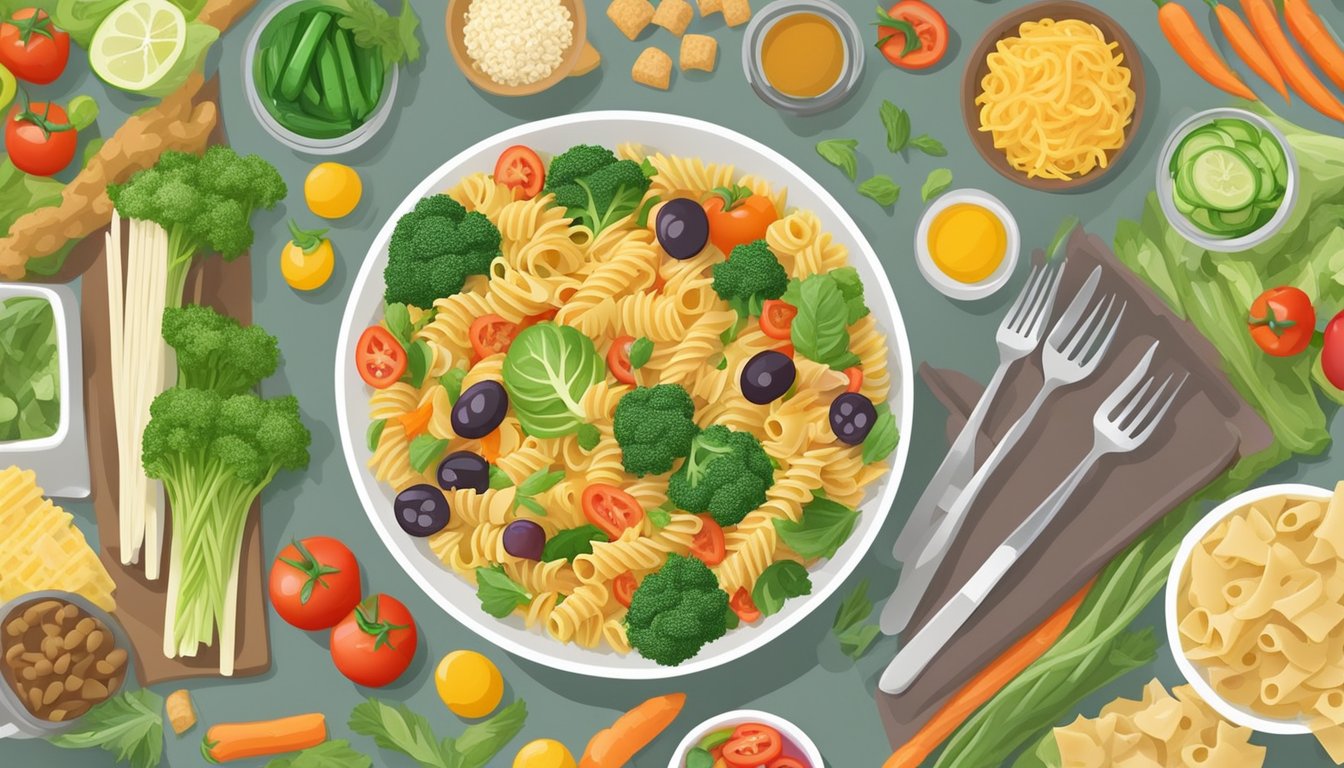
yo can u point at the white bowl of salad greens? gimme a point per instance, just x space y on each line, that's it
1227 180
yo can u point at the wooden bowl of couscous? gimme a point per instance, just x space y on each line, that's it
519 47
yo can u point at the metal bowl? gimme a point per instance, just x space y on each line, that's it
753 65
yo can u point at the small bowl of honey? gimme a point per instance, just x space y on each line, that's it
802 56
967 244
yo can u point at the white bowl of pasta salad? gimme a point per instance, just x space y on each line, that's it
599 456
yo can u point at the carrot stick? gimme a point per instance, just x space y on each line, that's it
1316 38
490 446
414 423
615 746
1188 40
238 741
1265 21
1246 45
983 686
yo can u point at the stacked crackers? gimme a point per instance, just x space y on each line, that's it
654 66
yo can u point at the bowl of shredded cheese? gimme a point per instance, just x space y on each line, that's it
519 47
1053 94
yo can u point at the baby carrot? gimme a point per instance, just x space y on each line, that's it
1246 45
1316 38
615 746
1189 42
237 741
1265 21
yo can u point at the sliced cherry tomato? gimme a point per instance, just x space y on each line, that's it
618 359
855 377
777 319
786 762
314 583
520 169
491 335
737 217
611 509
785 349
708 544
623 588
1282 321
540 317
40 138
930 34
375 643
1332 351
32 48
379 357
752 745
744 606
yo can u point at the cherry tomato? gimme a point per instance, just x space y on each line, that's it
623 588
611 509
744 606
314 583
786 762
490 335
855 377
40 139
894 26
1332 352
32 48
708 544
618 359
379 357
785 349
375 642
736 217
519 169
777 319
752 745
1282 321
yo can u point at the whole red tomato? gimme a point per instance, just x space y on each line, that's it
32 47
1332 351
1282 321
375 643
39 138
315 583
737 217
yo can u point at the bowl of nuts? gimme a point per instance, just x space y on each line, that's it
60 656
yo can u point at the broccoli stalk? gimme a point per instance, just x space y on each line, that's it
596 189
434 249
676 610
751 275
214 455
726 474
216 352
654 427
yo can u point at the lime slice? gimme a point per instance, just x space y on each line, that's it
1224 179
138 43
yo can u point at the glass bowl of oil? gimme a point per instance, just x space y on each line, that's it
802 56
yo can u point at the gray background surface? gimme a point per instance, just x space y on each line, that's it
802 676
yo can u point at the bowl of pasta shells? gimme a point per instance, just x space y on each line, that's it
624 392
1255 611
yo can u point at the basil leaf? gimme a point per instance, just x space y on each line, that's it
531 504
856 641
328 754
499 594
640 352
897 123
779 582
375 433
659 517
841 153
929 145
540 482
938 181
851 287
480 742
883 438
822 529
452 381
572 542
819 331
588 437
853 609
499 478
398 728
881 189
424 450
418 358
397 318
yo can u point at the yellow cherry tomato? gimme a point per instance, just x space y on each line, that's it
307 261
332 190
469 684
544 753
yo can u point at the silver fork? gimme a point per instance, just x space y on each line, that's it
1123 422
1077 344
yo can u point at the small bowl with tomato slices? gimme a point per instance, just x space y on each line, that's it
746 738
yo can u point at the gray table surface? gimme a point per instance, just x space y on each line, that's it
803 676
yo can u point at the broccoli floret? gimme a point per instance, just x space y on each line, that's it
726 474
596 189
216 352
654 427
751 275
676 610
434 249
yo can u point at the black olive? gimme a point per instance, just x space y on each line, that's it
682 227
767 376
852 417
480 409
421 510
525 539
463 470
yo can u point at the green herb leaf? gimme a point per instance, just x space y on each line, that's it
929 145
699 758
881 189
540 482
375 433
841 153
642 218
1056 249
397 318
480 742
499 478
397 728
547 370
778 582
373 27
499 594
328 754
822 529
855 641
731 620
853 609
640 352
588 437
723 364
418 358
820 331
659 517
531 505
128 726
424 450
572 542
452 381
939 179
851 287
896 121
883 438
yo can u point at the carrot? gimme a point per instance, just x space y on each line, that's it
983 686
1248 47
1316 38
414 423
1265 21
490 446
615 746
238 741
854 379
1189 42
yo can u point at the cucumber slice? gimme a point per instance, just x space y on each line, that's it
1239 130
1201 218
1269 186
1270 146
1182 205
1197 142
1233 220
1184 187
1223 179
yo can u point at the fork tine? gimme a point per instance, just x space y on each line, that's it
1148 405
1122 391
1094 349
1078 343
1065 324
1023 297
1151 426
1105 344
1046 306
1132 404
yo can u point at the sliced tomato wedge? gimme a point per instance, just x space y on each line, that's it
893 28
618 359
379 357
777 319
520 169
787 762
744 606
708 544
491 335
785 349
752 745
623 588
611 509
855 377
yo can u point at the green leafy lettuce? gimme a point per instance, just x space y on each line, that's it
395 727
30 375
547 370
129 727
